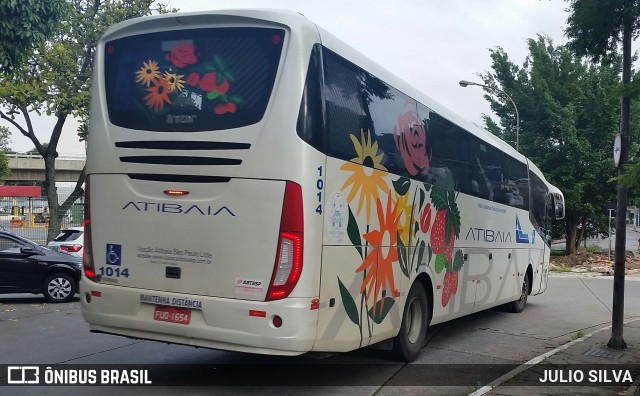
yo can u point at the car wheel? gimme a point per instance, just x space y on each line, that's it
59 288
408 344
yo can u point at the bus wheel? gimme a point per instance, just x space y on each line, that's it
518 305
413 331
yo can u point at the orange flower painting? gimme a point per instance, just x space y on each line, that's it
379 262
158 94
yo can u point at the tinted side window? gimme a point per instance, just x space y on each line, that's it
485 170
310 123
448 148
345 112
516 183
8 244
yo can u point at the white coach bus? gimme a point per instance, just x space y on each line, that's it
256 185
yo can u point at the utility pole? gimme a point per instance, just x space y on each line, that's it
617 313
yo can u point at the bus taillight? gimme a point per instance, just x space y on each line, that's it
288 264
87 257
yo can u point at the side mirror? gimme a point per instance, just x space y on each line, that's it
559 210
28 251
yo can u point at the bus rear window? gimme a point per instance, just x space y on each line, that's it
191 80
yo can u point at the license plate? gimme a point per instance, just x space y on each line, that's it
172 314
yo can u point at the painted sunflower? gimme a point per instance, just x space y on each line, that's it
148 73
174 80
367 178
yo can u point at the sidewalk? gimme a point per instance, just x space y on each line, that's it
586 358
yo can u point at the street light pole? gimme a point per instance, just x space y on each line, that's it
464 83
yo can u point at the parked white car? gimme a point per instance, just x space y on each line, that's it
70 240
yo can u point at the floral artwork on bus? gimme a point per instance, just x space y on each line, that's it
182 78
402 223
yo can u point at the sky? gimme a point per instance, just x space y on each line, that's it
431 44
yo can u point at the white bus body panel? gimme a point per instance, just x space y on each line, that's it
155 231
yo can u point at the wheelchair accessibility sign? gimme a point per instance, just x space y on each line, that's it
114 254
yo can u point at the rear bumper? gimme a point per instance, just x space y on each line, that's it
221 323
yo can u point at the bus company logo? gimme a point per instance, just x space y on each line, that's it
177 208
487 235
23 375
521 237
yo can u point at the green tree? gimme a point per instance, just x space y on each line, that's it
5 171
56 80
596 28
23 25
566 111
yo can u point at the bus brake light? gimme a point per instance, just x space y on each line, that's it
288 265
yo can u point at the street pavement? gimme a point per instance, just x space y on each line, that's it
584 366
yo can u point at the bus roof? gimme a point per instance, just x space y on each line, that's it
300 23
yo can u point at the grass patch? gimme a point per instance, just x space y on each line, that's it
561 268
579 334
594 249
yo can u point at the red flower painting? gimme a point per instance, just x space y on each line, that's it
182 55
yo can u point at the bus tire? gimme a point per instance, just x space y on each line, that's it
408 344
518 305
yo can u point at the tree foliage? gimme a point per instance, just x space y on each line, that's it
568 117
56 80
595 27
23 25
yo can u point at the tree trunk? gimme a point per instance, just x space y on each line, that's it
583 230
571 227
52 195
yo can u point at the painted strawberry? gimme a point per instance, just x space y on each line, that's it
425 218
193 79
446 225
225 108
439 244
447 289
209 83
453 281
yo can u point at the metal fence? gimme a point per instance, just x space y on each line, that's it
29 217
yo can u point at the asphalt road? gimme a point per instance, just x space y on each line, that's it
459 353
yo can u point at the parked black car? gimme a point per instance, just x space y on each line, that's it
26 267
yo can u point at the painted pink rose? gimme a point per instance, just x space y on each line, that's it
411 139
182 55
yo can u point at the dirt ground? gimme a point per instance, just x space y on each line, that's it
594 262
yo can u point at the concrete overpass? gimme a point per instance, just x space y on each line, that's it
30 168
